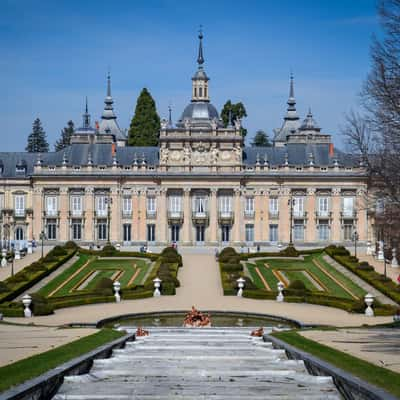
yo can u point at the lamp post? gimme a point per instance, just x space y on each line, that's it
108 202
355 238
291 204
42 237
12 262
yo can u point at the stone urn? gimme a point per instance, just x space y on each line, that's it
240 283
280 287
157 283
394 263
27 301
117 288
3 258
369 299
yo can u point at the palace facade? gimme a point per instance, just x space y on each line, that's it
200 186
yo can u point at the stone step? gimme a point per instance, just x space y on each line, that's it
200 340
279 396
154 348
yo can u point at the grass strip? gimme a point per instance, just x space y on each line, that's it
28 368
378 376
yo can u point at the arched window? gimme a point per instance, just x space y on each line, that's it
205 92
200 92
19 233
195 92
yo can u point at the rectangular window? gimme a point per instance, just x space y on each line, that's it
127 229
298 206
102 230
51 205
225 204
127 206
347 231
151 205
249 206
175 233
225 233
273 206
323 231
151 233
249 232
348 206
20 204
273 233
1 201
101 206
76 205
200 204
323 206
76 229
51 229
175 204
298 231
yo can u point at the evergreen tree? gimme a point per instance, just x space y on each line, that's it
261 139
65 138
37 142
234 111
145 125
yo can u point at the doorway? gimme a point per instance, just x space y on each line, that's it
225 233
175 233
200 233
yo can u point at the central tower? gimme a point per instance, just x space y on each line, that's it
199 141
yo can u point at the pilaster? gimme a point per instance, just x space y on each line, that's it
362 219
115 223
284 215
161 234
187 220
336 223
238 217
311 229
65 222
258 216
213 216
88 202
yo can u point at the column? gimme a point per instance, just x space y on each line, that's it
88 232
265 208
115 223
142 219
362 218
258 216
311 229
284 215
187 217
213 210
135 215
238 217
336 208
64 221
37 219
161 234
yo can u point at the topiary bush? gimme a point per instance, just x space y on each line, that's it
40 305
296 288
58 251
226 253
108 250
104 287
290 251
170 255
365 266
70 245
3 287
232 267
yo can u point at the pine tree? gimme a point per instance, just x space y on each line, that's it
233 111
261 139
145 125
37 142
65 139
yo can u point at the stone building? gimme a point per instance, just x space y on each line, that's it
200 186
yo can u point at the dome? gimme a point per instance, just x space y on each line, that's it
200 110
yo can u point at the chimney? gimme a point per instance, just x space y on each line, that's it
331 150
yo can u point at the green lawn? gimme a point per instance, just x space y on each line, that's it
93 270
378 376
34 366
293 270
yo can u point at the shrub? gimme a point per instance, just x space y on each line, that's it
234 259
365 266
170 255
104 287
70 245
226 253
40 305
232 267
3 287
296 288
18 278
168 288
108 250
290 251
50 258
249 284
58 251
353 259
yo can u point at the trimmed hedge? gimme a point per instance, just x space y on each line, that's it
378 281
32 274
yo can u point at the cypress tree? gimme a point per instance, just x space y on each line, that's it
37 142
145 125
65 138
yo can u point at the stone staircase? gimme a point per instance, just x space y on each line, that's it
214 363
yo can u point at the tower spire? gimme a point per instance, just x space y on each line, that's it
291 110
108 112
108 84
86 116
200 58
169 115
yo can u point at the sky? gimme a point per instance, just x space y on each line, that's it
54 53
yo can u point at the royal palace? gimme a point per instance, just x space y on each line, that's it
200 186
